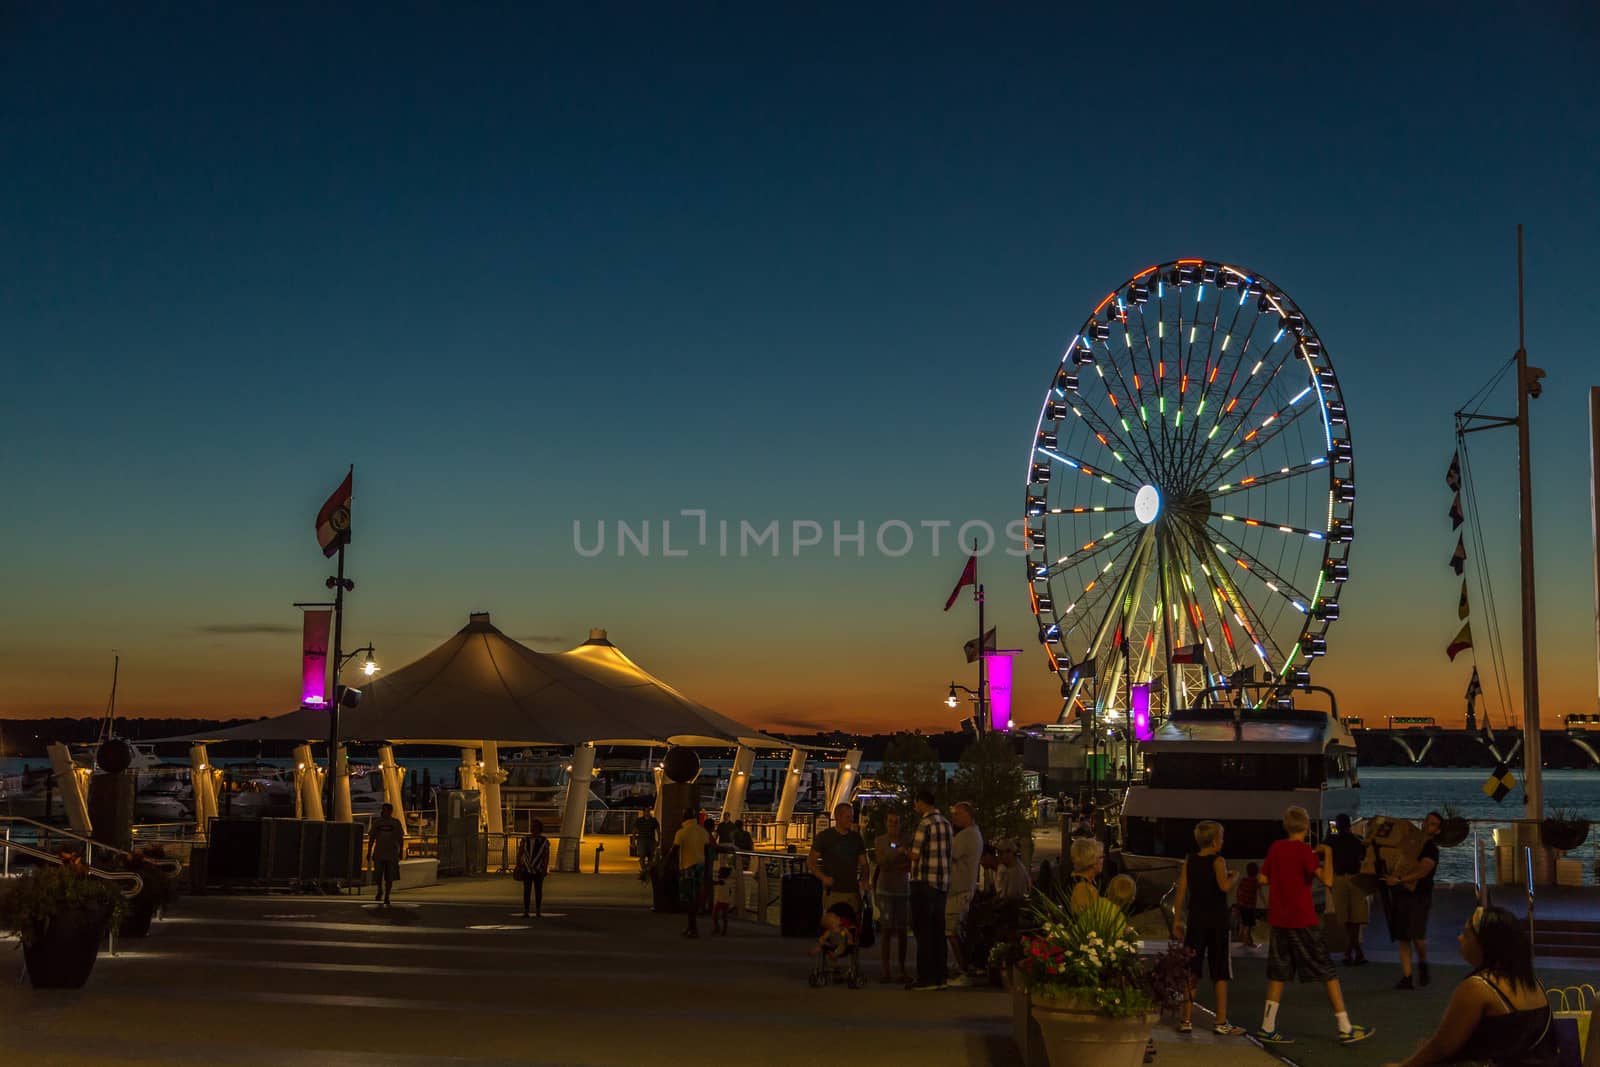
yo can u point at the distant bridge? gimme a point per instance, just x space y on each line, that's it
1434 746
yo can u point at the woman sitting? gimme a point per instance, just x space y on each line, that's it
1499 1015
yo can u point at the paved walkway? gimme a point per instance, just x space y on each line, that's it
454 975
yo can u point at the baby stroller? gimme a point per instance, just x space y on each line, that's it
839 958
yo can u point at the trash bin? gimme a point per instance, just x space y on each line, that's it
800 905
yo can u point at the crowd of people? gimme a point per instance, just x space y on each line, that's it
920 883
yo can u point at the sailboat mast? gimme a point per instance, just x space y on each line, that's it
1532 748
108 727
1594 521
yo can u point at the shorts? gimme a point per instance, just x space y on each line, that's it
894 911
386 870
1299 952
1408 919
829 899
1210 944
1350 900
1248 917
721 907
689 881
955 913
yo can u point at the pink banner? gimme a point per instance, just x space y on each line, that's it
997 668
314 658
1141 711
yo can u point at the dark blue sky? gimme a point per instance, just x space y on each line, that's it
530 265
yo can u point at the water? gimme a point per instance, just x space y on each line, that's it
1411 794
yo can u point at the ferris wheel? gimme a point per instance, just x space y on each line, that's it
1190 492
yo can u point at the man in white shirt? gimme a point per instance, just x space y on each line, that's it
966 851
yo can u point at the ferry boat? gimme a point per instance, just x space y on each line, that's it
1241 766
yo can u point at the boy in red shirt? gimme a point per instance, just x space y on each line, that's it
1296 947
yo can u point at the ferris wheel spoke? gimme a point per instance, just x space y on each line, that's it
1056 456
1220 600
1111 591
1090 549
1129 395
1130 579
1254 626
1244 485
1227 418
1256 440
1190 446
1265 524
1272 580
1105 434
1085 510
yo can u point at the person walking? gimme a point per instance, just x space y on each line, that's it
647 830
930 882
1499 1014
838 858
691 843
384 848
966 856
533 863
891 889
1350 905
1204 883
1296 948
1411 898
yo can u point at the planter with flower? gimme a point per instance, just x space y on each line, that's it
1094 997
158 890
60 914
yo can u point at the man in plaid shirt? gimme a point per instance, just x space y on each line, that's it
930 883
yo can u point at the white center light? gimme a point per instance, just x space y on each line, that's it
1147 504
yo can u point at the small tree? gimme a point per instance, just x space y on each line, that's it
990 779
910 765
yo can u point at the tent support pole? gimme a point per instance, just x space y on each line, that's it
577 806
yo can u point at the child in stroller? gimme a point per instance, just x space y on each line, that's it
837 950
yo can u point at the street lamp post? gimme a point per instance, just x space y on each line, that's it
974 695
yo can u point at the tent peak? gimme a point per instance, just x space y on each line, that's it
597 636
478 622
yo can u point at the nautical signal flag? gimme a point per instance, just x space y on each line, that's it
1462 642
969 576
1456 517
1452 477
1500 783
1461 608
1189 654
1458 558
333 521
1474 687
971 647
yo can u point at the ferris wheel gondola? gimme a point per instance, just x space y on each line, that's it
1190 491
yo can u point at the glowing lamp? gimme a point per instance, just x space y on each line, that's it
1139 695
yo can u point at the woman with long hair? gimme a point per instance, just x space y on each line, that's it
1499 1015
533 863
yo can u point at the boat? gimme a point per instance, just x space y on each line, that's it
1240 766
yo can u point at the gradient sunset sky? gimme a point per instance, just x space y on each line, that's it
526 266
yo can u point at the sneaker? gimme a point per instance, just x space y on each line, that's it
1423 975
926 987
1185 1028
1272 1037
1405 983
1356 1034
1228 1030
959 981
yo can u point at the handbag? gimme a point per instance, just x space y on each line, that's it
1571 1024
866 936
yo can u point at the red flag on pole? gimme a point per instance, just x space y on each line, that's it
1189 654
1462 642
333 521
969 576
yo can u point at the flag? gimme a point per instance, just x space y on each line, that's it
969 576
1461 608
1189 654
1458 558
1500 783
1452 477
1462 642
1474 687
971 647
1456 517
333 521
1086 669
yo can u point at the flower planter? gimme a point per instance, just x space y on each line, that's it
1024 1030
1075 1035
64 956
1452 832
137 922
1564 835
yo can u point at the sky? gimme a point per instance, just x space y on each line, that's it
535 267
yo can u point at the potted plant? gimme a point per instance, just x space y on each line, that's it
1094 998
1563 830
1453 829
157 891
60 914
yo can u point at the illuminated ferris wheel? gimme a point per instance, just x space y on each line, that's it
1190 495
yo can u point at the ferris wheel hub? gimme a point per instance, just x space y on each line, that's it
1147 504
